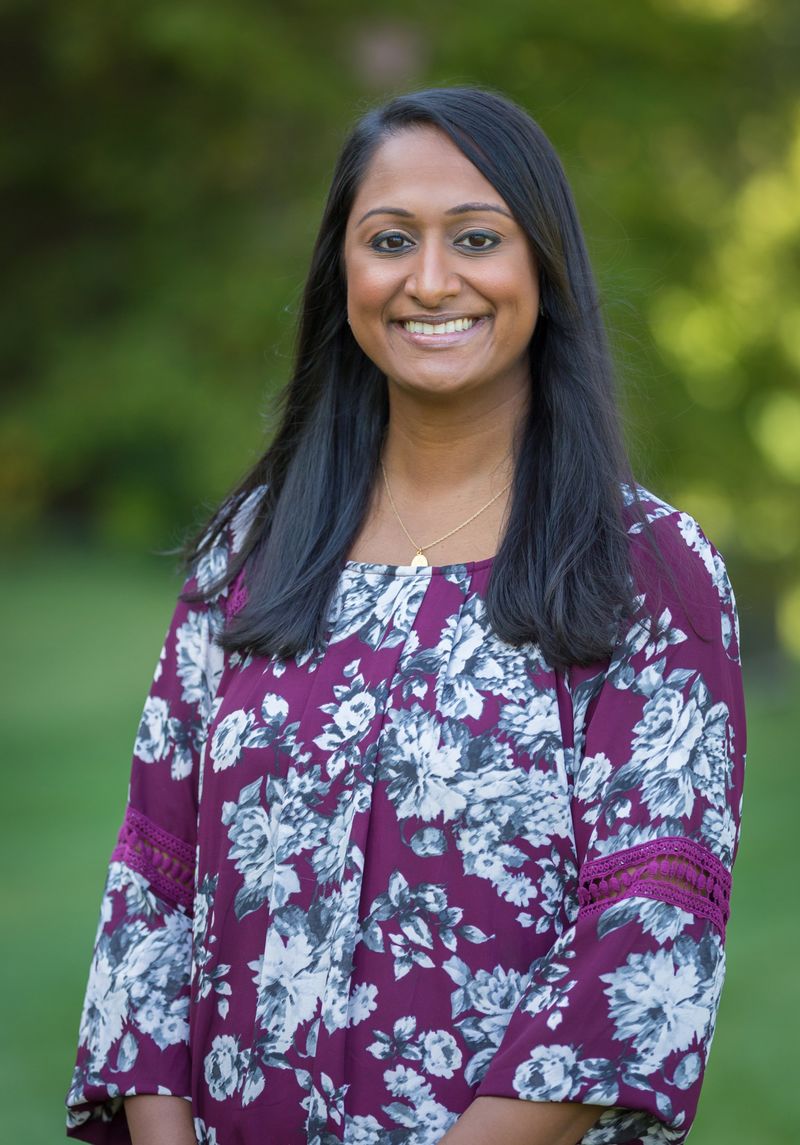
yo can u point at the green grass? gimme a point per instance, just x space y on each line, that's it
82 632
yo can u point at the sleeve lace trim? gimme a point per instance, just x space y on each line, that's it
165 861
671 869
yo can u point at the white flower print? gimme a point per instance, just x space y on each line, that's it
556 888
469 663
274 709
696 540
362 1130
543 813
534 726
679 751
406 1082
593 773
228 741
160 665
353 712
486 857
659 1003
547 1074
335 1003
661 919
330 856
205 1134
152 739
191 643
255 843
203 906
550 986
212 566
184 744
719 832
199 662
505 803
494 788
496 992
668 731
362 1002
644 642
442 1057
138 978
380 610
351 718
106 1004
494 995
516 889
291 985
169 1025
616 1124
433 1121
457 687
222 1067
244 516
420 767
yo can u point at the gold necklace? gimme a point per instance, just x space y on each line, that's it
419 560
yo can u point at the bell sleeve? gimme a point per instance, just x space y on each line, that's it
134 1029
621 1011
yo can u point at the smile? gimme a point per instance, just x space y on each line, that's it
454 326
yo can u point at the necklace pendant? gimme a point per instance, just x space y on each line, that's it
419 560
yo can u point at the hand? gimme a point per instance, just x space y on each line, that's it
516 1122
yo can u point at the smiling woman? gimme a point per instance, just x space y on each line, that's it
429 852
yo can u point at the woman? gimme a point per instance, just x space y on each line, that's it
444 751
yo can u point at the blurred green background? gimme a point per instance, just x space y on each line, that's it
163 168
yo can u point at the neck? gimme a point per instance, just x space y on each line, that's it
434 448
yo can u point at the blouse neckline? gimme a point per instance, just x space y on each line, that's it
426 570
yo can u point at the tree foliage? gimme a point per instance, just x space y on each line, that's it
164 168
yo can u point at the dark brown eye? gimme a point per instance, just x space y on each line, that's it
390 242
479 240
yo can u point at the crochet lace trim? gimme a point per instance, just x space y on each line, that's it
671 869
165 861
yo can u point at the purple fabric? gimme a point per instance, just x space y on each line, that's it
356 889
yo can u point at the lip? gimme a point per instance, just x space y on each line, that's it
457 338
438 318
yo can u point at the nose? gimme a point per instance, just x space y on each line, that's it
432 277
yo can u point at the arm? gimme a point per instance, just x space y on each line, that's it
134 1031
156 1120
620 1012
492 1119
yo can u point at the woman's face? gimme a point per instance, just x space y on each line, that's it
442 286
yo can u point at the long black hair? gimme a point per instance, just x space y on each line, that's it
562 576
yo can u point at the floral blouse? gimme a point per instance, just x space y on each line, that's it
355 889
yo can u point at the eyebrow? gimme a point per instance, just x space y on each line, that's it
461 209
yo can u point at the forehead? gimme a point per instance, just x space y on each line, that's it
421 167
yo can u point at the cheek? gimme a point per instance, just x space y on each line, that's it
364 296
368 288
519 296
511 284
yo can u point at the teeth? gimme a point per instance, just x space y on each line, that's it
452 327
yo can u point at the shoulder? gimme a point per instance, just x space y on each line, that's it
677 565
222 543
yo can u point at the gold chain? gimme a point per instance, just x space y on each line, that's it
420 560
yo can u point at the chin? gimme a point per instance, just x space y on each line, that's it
439 381
434 386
